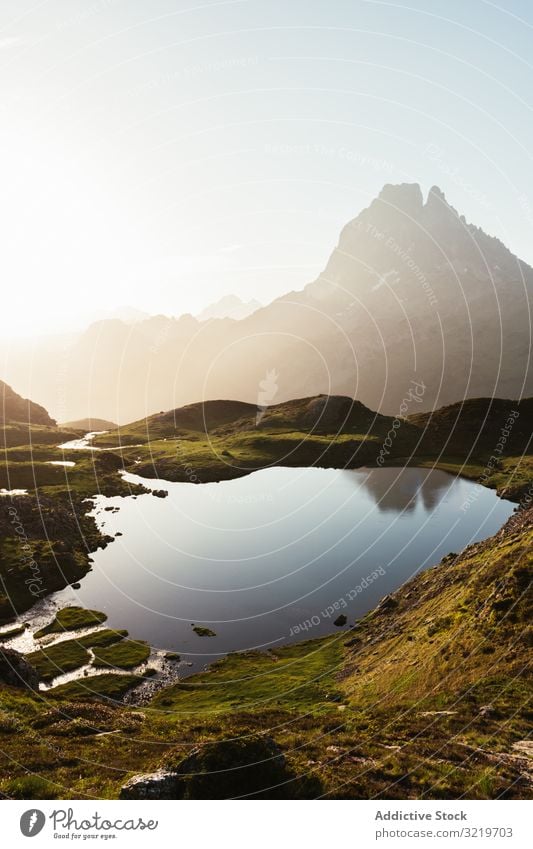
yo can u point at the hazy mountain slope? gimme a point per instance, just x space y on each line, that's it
14 408
230 306
410 291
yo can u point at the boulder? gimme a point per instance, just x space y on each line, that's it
163 784
16 671
253 766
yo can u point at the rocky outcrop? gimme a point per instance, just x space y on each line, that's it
155 785
14 408
250 767
16 671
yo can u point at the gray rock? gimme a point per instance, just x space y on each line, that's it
154 785
224 769
16 671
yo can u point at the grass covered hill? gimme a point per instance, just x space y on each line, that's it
478 426
325 414
224 439
217 440
89 425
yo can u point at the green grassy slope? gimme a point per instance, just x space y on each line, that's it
89 425
481 439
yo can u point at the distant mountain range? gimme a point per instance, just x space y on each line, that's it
230 306
411 292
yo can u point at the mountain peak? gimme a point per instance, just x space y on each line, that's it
437 206
229 306
403 197
436 195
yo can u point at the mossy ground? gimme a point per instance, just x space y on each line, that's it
68 655
71 619
54 660
203 631
9 633
125 654
109 687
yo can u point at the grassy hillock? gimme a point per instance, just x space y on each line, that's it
218 440
125 654
321 414
477 426
72 619
484 439
89 425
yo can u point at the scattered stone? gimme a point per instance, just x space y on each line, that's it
525 747
340 620
439 713
386 603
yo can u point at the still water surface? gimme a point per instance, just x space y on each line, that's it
255 558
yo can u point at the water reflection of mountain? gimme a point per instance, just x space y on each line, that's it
401 490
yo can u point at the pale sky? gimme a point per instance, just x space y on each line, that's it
161 154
